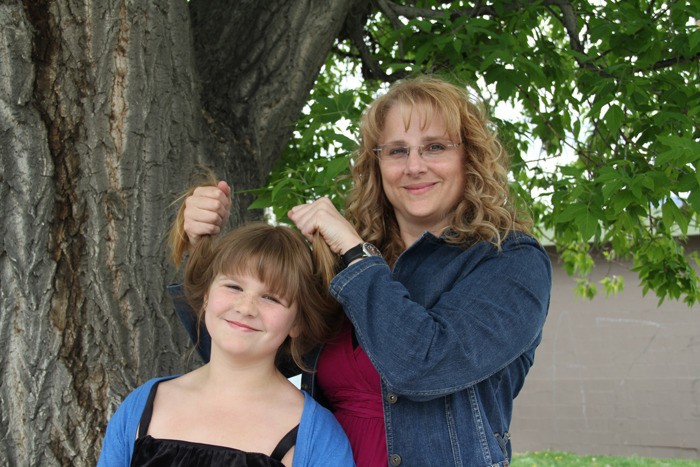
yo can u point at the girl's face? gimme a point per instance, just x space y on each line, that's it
246 319
423 193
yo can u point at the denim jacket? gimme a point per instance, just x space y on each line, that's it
452 333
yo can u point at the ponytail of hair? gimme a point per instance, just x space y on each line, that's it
325 261
178 241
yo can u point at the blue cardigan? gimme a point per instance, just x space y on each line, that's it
320 440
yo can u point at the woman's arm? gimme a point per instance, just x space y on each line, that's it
205 212
441 322
199 337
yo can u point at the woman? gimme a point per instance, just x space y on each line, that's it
259 294
446 291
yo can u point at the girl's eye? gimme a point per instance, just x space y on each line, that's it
272 298
233 287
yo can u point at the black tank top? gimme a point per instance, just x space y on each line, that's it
149 451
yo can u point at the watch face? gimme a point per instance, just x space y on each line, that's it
371 250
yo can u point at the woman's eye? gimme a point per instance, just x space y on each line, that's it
435 147
398 151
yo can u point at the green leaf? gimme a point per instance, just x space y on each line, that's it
623 199
614 118
672 215
571 212
261 202
587 224
694 41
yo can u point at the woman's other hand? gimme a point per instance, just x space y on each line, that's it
206 211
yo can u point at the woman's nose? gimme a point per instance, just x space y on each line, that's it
414 160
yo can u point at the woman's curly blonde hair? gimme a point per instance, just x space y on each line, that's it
486 211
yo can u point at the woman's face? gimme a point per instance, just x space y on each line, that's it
423 193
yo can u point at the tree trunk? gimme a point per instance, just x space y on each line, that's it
105 109
258 62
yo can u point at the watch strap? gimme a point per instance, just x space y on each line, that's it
352 254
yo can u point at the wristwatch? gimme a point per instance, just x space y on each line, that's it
362 250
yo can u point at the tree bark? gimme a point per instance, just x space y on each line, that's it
105 110
258 62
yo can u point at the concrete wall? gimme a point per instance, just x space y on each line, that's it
616 375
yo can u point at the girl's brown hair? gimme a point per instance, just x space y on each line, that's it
485 212
277 256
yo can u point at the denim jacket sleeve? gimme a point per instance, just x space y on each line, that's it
200 337
446 318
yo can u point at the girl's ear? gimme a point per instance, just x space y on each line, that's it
295 331
297 323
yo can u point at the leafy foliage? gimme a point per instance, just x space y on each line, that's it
606 151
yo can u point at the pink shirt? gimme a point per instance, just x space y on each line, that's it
352 386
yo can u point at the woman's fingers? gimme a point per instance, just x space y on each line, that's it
206 211
322 216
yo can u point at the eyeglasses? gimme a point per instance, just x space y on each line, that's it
428 152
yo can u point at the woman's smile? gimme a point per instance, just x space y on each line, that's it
419 188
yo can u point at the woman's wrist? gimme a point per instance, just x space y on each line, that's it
358 252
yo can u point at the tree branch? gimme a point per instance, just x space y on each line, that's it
387 8
568 19
394 10
355 28
674 61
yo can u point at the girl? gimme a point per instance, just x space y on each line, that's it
257 292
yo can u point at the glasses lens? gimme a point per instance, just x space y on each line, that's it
394 151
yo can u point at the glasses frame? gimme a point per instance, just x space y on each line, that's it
419 147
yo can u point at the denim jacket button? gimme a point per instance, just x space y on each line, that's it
395 459
392 398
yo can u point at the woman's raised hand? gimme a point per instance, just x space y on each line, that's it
323 217
206 210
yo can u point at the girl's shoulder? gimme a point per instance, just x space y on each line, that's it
142 391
